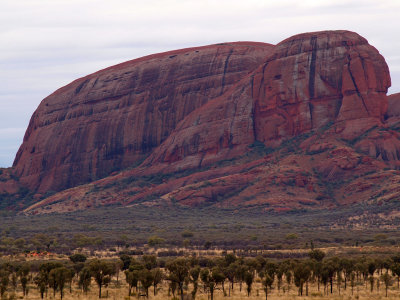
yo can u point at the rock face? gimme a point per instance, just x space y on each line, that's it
313 79
384 143
230 124
113 118
393 105
310 80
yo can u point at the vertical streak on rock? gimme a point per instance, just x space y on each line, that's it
355 85
261 86
225 69
253 112
311 80
252 86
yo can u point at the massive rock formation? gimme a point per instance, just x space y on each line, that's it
229 124
309 81
113 118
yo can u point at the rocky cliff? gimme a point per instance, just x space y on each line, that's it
113 118
309 80
304 123
314 79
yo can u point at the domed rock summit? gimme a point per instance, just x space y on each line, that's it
289 126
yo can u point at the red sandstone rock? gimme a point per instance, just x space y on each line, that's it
8 185
310 80
219 130
113 118
383 145
189 109
393 105
316 78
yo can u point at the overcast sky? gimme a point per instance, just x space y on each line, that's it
45 44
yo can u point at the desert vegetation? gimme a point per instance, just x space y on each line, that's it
247 230
137 252
224 275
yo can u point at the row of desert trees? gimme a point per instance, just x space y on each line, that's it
56 275
215 273
193 274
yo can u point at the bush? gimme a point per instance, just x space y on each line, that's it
155 241
78 258
291 236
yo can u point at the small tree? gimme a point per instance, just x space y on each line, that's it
78 257
302 273
23 272
146 278
101 272
194 278
240 273
158 276
288 276
395 267
149 261
132 278
230 258
126 261
327 274
85 277
211 279
267 283
4 280
178 272
249 278
230 274
118 265
387 280
60 277
371 271
217 276
316 254
53 282
352 282
347 266
41 282
279 276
